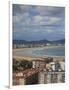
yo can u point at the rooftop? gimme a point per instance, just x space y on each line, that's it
25 73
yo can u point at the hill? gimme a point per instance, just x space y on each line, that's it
62 41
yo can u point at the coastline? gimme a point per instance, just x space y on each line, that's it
27 55
17 49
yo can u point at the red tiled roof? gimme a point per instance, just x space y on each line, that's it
25 73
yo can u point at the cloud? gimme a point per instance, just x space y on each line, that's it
27 20
49 31
39 20
50 11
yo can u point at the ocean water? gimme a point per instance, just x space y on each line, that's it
54 51
41 51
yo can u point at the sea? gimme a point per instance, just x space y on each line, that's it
42 51
54 51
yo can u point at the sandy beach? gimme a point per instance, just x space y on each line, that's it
17 49
27 54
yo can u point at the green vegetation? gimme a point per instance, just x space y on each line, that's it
21 65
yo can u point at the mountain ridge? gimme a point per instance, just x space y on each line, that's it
44 41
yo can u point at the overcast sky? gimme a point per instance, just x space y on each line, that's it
38 22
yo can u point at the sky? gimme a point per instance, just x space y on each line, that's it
32 22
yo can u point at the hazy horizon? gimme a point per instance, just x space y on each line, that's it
40 39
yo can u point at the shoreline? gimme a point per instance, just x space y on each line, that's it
17 49
27 54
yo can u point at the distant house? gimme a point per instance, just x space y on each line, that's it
48 44
29 76
41 63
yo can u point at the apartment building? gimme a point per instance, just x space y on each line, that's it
29 76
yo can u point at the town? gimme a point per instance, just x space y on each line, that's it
39 43
39 71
